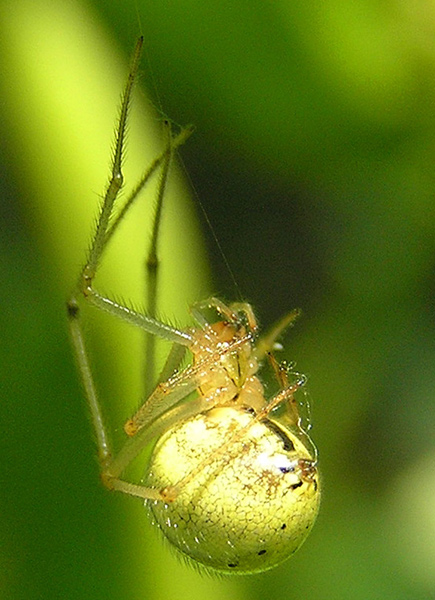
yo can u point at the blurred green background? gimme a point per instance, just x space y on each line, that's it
314 160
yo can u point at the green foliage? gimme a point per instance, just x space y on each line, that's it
314 158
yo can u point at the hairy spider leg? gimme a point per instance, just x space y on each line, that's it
110 468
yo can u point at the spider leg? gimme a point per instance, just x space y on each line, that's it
267 341
134 445
291 414
152 261
170 391
112 466
155 417
105 228
138 319
110 474
99 241
102 438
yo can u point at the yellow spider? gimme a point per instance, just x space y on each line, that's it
232 481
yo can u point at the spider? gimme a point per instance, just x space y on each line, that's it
232 480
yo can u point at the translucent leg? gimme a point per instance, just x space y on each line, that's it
152 269
141 320
267 342
103 443
232 313
100 238
171 391
152 262
112 467
104 233
175 143
200 309
291 415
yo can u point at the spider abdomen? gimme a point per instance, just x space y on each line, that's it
242 502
